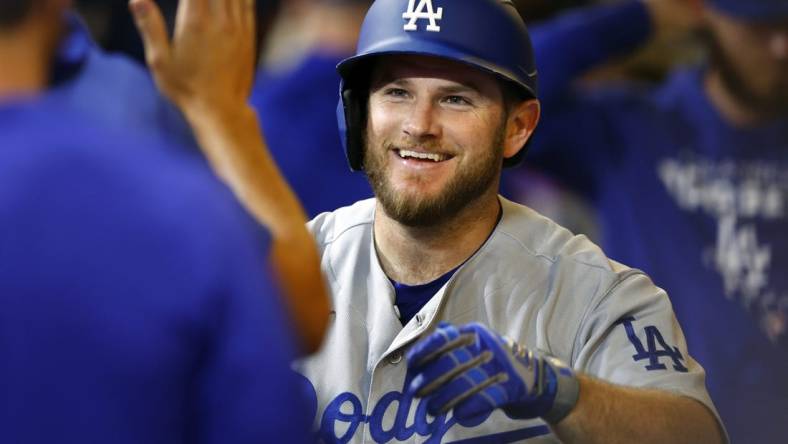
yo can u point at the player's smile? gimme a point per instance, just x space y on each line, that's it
421 155
419 159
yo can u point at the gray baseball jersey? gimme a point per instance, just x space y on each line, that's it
532 281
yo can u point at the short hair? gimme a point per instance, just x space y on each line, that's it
14 11
513 94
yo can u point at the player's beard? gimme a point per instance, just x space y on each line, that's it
466 186
773 103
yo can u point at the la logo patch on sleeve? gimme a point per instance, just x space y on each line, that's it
655 348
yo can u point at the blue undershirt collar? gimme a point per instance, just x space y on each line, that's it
409 299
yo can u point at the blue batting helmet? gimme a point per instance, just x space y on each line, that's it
486 34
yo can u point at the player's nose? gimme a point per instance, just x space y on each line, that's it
422 120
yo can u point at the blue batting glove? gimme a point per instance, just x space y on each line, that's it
473 370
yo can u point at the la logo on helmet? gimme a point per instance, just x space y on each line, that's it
423 11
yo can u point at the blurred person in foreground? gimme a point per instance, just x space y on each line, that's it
690 178
119 94
135 305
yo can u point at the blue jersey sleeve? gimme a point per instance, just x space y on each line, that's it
576 133
575 42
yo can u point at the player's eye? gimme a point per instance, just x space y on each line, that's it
395 92
457 100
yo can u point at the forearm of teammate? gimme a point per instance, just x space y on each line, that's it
606 413
237 152
207 70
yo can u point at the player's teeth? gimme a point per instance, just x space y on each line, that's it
426 156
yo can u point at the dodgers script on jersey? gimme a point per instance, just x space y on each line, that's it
532 281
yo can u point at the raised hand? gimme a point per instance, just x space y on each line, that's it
207 70
209 63
473 370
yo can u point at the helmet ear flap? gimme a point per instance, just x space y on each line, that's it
354 109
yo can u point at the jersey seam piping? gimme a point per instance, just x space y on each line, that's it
552 259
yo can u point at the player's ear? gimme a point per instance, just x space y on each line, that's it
520 125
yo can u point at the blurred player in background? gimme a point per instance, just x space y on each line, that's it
690 178
297 107
119 94
135 305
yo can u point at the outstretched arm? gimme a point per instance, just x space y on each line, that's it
207 70
472 370
576 42
569 47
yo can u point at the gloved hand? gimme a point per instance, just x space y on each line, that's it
473 370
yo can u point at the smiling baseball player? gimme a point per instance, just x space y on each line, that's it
512 328
460 316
